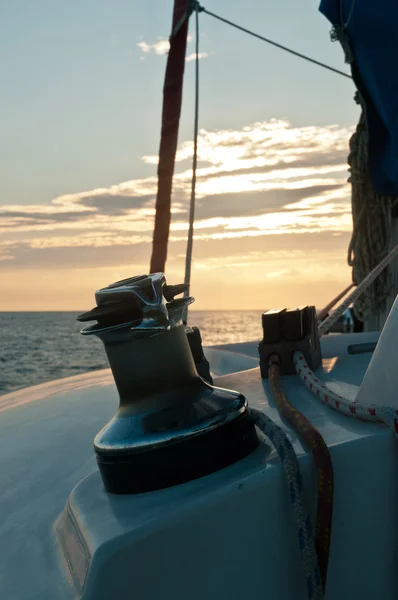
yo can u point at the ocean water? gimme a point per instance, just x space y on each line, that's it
42 346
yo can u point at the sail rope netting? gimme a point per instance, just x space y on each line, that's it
371 211
371 235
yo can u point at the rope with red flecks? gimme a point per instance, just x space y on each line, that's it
374 412
323 464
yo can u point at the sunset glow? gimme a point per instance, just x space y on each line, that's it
268 181
82 102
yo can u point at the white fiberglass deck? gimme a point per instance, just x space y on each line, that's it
233 528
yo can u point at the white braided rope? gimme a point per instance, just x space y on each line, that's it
294 480
373 412
328 323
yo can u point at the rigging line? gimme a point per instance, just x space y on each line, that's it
322 314
280 46
188 256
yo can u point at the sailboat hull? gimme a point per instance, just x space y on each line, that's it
226 535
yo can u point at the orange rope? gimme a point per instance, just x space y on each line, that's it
323 464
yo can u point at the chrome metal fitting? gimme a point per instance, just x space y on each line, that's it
171 426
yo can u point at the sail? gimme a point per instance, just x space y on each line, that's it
371 32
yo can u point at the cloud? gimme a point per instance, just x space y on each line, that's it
162 47
268 179
192 56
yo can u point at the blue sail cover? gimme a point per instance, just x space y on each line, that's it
373 38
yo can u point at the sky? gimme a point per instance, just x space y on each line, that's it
80 112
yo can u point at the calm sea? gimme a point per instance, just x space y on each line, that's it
37 347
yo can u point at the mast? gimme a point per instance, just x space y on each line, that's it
172 100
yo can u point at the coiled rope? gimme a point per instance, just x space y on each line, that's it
298 501
371 212
371 217
322 461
